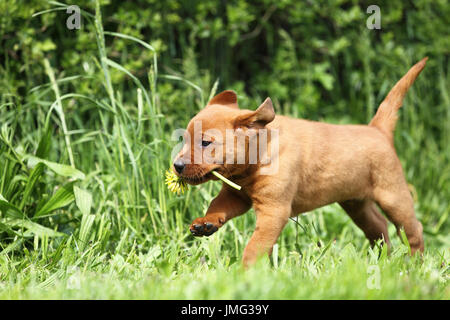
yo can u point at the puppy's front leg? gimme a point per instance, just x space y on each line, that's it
227 205
270 221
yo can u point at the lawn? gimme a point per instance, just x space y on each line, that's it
85 139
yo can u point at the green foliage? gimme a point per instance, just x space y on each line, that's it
86 118
341 272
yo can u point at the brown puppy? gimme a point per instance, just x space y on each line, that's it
316 164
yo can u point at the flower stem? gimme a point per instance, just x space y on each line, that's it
228 182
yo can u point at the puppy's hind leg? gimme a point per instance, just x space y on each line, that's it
368 218
396 201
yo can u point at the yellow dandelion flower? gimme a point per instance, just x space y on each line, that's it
175 183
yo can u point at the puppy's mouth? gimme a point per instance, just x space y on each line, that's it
198 179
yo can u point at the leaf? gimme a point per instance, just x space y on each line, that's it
34 228
125 36
12 247
321 74
46 45
31 227
61 198
83 200
43 148
60 169
32 179
85 228
404 239
9 209
326 80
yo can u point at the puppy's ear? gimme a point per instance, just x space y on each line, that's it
258 118
227 98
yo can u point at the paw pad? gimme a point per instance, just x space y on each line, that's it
203 229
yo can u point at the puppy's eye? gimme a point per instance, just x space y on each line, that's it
206 143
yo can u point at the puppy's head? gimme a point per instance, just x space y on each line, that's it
218 138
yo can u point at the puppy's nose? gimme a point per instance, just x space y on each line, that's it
179 165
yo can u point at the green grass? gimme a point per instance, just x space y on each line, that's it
84 212
342 272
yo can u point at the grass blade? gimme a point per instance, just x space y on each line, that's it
62 197
83 199
60 169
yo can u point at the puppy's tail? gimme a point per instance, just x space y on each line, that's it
386 116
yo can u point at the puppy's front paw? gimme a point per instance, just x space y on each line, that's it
205 226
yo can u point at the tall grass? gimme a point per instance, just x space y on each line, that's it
84 211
